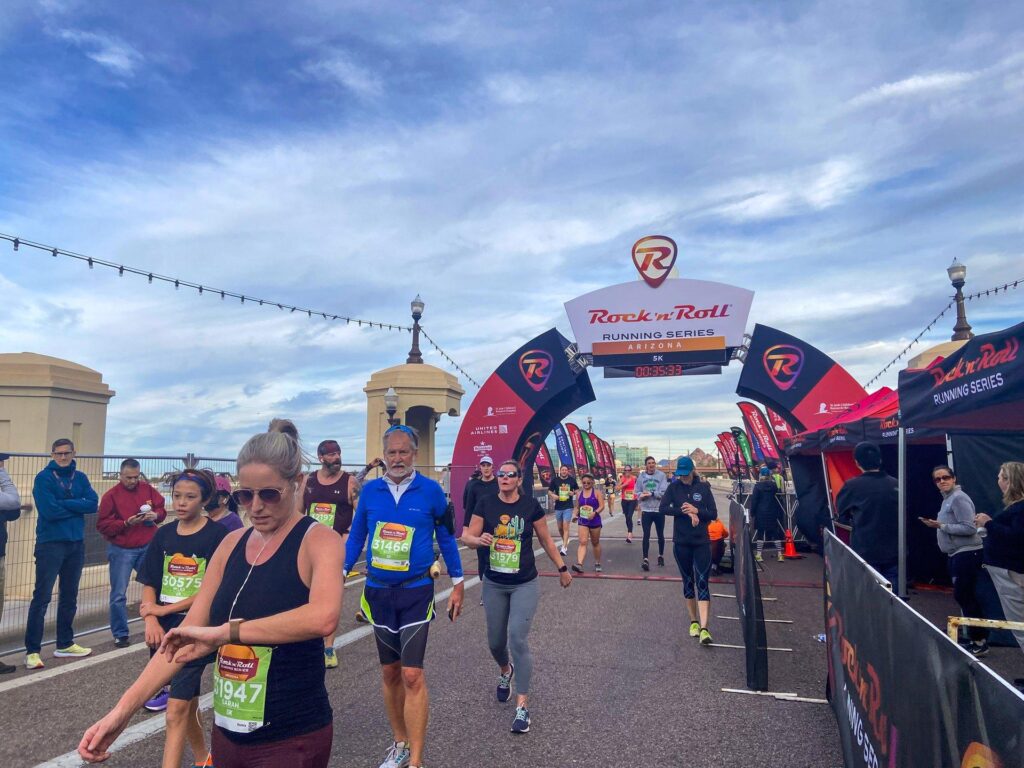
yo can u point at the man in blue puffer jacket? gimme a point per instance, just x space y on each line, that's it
63 497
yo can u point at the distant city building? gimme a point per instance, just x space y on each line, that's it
625 454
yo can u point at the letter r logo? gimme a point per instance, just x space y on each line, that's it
783 364
654 258
536 366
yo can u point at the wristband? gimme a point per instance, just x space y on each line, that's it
234 627
563 569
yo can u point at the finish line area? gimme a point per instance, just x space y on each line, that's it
615 674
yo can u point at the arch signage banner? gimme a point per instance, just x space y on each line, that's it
677 321
529 393
796 379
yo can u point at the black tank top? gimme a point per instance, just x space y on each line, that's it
296 699
328 504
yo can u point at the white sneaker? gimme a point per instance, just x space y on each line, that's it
397 756
562 552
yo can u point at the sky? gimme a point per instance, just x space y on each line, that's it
498 159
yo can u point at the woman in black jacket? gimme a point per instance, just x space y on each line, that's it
690 501
764 511
1004 544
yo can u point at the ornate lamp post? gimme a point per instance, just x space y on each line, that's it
417 306
391 406
958 276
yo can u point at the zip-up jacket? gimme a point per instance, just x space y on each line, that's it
698 493
956 516
118 504
422 507
1004 544
871 503
63 497
10 507
651 503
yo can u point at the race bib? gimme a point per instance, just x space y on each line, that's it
586 512
651 486
391 546
183 575
505 555
240 687
563 492
628 495
323 513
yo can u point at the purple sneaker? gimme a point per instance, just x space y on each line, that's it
159 702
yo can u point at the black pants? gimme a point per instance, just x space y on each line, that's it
694 561
965 568
658 520
628 508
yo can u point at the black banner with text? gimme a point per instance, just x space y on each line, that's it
748 599
904 694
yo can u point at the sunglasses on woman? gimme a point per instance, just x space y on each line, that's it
943 478
512 474
244 496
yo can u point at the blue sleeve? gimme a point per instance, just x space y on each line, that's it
356 534
446 540
49 508
709 510
87 503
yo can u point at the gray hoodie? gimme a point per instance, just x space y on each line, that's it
643 480
956 516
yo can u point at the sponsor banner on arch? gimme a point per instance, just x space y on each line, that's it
905 695
579 453
695 318
797 380
588 447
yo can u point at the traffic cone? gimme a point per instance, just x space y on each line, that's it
789 551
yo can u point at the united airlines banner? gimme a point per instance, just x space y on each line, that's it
579 453
794 378
904 694
757 425
520 403
563 449
979 388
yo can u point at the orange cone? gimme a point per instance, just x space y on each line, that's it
789 551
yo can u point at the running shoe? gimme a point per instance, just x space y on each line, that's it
562 551
758 558
505 684
32 661
577 568
629 538
522 722
6 669
694 629
661 561
597 567
330 658
73 651
978 649
705 637
122 642
397 756
645 565
159 702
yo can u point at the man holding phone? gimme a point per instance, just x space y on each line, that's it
128 516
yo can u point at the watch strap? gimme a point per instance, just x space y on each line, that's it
234 627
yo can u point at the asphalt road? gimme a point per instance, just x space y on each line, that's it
617 680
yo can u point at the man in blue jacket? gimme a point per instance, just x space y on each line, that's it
63 497
402 513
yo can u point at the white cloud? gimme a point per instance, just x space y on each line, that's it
916 85
107 50
340 68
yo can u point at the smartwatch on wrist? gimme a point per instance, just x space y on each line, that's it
234 627
563 569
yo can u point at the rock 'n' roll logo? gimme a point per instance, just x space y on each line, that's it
182 565
654 258
783 364
394 532
237 662
536 366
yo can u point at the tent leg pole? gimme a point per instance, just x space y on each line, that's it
902 538
949 453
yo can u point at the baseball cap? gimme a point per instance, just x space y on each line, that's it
486 460
765 472
684 466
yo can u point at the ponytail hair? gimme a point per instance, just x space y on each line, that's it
279 448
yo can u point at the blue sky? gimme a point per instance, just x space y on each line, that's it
499 159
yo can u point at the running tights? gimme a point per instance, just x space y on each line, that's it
509 609
628 508
658 519
694 561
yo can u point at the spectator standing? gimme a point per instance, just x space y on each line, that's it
870 503
10 510
222 509
479 488
128 516
63 497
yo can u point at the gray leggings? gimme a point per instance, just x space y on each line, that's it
510 609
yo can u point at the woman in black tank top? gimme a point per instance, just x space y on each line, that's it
268 597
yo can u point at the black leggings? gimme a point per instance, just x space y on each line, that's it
694 561
659 523
628 508
965 568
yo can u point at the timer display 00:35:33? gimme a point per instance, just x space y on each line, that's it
651 371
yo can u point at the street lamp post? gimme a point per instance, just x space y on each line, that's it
958 276
417 306
590 424
391 406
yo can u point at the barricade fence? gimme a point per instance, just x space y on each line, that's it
94 588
